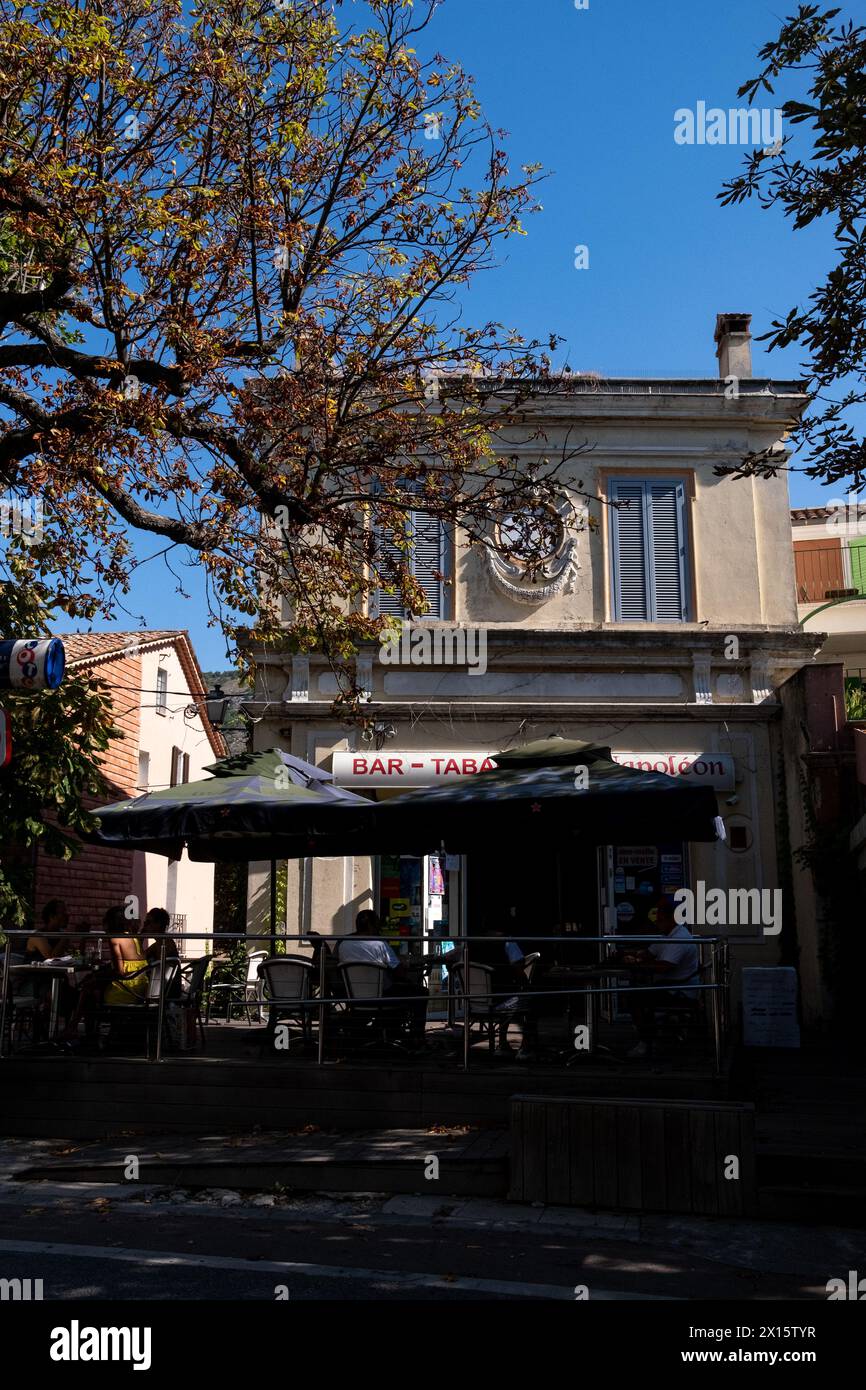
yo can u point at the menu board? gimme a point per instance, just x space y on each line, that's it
770 1006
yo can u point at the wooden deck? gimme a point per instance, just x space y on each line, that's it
229 1088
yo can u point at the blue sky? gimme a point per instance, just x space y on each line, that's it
591 94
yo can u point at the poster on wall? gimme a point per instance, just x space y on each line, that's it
637 857
672 873
436 881
770 1006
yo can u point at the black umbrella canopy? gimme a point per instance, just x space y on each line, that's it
255 806
546 794
550 752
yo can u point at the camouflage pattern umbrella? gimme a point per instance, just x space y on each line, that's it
262 805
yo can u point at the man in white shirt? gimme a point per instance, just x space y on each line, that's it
377 952
675 962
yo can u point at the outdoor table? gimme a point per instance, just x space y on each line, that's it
578 981
74 973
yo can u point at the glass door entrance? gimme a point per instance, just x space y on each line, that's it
414 896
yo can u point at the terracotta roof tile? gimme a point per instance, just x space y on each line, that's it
89 648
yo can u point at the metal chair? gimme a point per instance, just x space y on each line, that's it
193 974
22 1007
244 991
288 985
144 1009
366 1005
485 1009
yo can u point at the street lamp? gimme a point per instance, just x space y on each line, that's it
216 702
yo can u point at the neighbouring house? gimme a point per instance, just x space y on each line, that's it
157 699
830 565
665 632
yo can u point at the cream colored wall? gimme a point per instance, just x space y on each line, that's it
742 568
159 734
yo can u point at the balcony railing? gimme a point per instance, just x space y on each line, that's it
834 570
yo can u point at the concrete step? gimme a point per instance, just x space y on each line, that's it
457 1178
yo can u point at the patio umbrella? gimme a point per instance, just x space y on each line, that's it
255 806
546 794
268 805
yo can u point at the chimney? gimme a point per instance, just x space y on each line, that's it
734 345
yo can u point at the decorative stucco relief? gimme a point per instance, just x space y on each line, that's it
532 557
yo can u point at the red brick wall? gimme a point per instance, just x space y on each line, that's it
99 877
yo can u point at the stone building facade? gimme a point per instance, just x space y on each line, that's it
664 630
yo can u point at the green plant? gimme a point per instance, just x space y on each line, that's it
855 697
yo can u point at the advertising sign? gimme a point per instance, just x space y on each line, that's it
388 768
35 664
703 769
770 1006
415 769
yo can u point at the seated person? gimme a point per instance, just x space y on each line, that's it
378 952
325 952
46 944
156 926
674 962
506 959
128 959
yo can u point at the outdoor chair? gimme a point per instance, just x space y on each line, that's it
245 989
486 1010
142 1011
368 1013
193 975
288 988
480 1009
22 1007
684 1024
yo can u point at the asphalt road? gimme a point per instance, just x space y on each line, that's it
89 1248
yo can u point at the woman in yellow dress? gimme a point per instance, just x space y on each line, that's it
127 955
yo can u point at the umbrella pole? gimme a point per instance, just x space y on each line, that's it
273 907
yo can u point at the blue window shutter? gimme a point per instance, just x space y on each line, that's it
388 604
631 600
649 551
426 559
667 535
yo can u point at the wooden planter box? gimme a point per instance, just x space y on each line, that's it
633 1155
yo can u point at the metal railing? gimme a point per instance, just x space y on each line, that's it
715 988
828 572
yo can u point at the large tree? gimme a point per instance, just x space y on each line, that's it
232 246
58 741
822 60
